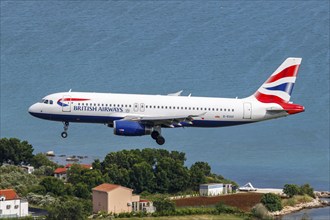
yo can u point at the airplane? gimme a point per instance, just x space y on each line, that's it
137 115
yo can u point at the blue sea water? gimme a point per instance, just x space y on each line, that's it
207 48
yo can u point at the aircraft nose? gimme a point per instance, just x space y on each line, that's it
34 109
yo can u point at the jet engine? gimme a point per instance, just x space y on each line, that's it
130 128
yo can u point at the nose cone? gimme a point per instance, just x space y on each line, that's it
34 109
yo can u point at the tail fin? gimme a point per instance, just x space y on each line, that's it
279 85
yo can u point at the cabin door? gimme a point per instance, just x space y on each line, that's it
247 110
66 103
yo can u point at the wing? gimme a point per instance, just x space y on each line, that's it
165 121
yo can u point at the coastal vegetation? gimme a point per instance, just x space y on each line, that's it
272 202
155 174
147 171
293 190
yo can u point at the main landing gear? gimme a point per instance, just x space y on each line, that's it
158 137
64 134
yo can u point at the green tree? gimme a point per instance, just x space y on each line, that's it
40 159
291 189
174 173
198 173
14 151
97 165
53 185
44 171
67 210
307 189
81 190
164 204
142 177
75 174
92 178
117 175
272 202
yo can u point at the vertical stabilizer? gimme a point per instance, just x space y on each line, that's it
279 85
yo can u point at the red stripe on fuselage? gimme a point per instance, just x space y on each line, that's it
75 99
290 71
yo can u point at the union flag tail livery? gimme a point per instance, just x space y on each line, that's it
137 115
278 87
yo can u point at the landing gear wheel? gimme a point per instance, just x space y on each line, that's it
155 135
160 140
64 134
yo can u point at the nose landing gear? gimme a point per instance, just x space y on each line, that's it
64 134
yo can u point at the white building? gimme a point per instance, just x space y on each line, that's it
28 169
11 206
214 189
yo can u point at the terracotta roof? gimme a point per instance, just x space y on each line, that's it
60 170
107 187
144 200
86 166
9 194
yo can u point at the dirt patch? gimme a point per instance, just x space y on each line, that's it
243 201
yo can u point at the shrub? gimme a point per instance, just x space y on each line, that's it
291 189
272 202
260 211
163 204
307 189
222 208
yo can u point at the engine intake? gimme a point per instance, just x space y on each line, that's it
130 128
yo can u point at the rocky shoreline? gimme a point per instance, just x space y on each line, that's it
316 203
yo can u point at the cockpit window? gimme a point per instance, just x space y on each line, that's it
51 102
46 101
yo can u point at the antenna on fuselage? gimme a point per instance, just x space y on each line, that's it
70 90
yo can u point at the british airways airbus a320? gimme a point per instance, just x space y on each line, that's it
136 115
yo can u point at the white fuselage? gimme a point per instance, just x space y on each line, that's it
106 107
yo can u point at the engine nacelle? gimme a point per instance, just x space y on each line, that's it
130 128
